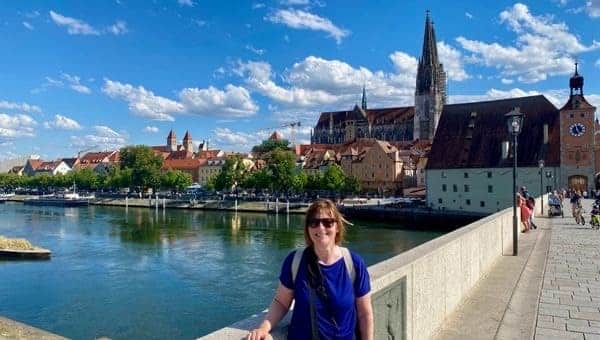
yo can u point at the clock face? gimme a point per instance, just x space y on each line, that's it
577 129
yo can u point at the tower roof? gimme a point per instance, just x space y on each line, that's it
576 81
364 98
187 136
171 134
429 69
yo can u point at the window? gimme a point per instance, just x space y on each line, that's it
466 175
468 202
571 115
443 174
489 174
454 187
482 204
466 188
444 187
583 115
490 188
440 201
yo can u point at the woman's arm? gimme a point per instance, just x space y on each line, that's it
279 307
365 316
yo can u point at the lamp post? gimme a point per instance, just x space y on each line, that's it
541 164
514 123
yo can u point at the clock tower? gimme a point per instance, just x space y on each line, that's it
577 142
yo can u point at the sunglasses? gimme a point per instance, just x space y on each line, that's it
315 222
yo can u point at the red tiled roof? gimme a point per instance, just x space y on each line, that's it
35 163
183 164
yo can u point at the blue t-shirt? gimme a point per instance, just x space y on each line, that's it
341 298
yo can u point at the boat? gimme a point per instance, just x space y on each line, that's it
65 199
21 249
36 253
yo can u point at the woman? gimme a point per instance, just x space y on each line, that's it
326 295
525 213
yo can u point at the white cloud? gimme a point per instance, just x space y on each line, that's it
63 123
233 102
452 60
188 3
469 15
294 2
118 28
255 50
28 26
75 83
143 102
19 106
506 81
72 81
543 48
304 20
236 140
74 26
258 5
151 129
16 126
597 63
32 15
593 8
104 137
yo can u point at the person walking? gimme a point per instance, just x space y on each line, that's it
531 205
330 284
576 207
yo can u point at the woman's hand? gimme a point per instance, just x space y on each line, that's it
259 334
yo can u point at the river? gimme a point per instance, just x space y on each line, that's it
142 273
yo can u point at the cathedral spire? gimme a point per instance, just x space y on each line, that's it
428 63
363 104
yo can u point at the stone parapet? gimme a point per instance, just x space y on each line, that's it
415 291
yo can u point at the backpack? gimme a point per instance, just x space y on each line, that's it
345 254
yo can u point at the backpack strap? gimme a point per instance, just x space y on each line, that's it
345 254
296 263
349 263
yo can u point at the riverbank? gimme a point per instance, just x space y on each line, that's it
10 329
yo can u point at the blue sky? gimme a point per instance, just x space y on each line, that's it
78 75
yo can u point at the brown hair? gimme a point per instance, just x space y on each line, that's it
326 205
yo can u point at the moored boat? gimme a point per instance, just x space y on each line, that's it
67 199
25 254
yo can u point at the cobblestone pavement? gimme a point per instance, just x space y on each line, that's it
569 305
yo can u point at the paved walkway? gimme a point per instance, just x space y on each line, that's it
550 291
570 297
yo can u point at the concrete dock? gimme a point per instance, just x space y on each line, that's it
551 290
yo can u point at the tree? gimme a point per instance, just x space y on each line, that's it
144 165
233 172
175 179
334 178
299 181
351 185
281 166
271 145
259 180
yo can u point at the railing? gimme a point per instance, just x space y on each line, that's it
415 291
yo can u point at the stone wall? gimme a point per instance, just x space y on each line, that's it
415 291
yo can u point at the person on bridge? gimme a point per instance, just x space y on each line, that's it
330 285
576 207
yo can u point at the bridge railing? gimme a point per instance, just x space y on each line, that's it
415 291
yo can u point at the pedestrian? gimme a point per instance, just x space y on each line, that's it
576 208
531 206
329 284
525 213
524 193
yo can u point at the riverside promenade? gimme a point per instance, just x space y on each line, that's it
550 291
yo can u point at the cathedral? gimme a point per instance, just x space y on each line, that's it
395 124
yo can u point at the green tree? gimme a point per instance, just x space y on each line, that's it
299 181
175 179
334 178
281 166
351 185
271 145
144 165
233 172
259 180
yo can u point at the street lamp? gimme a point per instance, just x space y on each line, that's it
541 164
514 123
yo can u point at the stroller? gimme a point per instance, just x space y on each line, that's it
555 207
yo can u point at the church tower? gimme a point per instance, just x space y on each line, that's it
188 144
430 93
172 141
577 142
